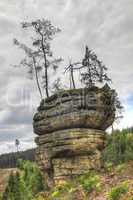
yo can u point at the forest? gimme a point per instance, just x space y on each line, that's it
9 160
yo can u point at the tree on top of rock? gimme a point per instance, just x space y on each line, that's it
95 71
39 57
92 70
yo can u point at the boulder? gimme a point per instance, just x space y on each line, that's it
81 108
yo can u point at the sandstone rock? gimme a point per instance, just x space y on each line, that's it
70 152
82 108
70 127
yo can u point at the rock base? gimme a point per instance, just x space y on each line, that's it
64 154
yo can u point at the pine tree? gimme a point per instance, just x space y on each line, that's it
95 70
38 56
9 191
18 190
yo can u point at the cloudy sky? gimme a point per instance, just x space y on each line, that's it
105 25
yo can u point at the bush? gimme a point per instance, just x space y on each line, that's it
62 189
120 168
109 167
90 181
118 191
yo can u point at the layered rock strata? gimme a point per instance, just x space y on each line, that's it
71 131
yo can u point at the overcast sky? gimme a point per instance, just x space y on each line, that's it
105 25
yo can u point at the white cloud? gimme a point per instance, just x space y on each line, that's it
10 146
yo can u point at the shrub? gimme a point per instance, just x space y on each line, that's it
118 191
61 189
90 181
120 168
109 167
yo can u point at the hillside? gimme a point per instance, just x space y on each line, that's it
114 183
9 160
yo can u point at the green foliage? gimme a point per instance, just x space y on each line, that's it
31 176
14 188
61 189
109 167
120 168
25 183
90 181
118 191
119 147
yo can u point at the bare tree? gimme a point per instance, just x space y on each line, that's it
40 55
71 68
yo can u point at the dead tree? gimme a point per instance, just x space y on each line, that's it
72 67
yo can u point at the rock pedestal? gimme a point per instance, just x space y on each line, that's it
71 131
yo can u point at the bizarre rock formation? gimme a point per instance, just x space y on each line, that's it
71 129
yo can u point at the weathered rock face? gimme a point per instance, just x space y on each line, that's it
71 133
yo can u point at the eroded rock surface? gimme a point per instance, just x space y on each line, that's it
70 127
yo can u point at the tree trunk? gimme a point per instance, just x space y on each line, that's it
37 80
46 70
46 80
72 76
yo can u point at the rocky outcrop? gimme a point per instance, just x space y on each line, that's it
70 127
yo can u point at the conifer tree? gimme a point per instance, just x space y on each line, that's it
95 70
9 191
39 56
